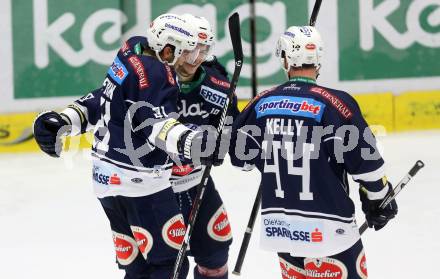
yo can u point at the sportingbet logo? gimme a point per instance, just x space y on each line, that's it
290 106
286 104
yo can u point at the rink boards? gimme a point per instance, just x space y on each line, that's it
414 110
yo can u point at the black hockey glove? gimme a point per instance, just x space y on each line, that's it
46 128
199 147
377 217
213 63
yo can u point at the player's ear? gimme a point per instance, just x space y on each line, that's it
167 53
285 63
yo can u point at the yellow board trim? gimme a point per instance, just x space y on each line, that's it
414 110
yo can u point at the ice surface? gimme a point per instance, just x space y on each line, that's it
51 225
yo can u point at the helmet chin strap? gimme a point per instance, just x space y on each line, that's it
317 70
286 70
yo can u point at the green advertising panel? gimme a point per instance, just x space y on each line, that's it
62 48
54 44
384 39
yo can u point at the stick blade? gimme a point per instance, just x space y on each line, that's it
234 31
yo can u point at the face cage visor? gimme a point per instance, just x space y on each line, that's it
197 55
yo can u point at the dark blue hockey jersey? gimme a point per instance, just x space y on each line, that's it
128 114
201 102
304 139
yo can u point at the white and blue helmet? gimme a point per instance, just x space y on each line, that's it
174 30
300 45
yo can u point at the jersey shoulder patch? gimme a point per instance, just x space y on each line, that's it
170 75
117 71
259 95
219 82
140 71
133 45
216 78
336 101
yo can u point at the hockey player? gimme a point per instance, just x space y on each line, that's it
203 95
134 121
304 138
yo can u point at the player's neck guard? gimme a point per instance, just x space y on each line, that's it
188 86
303 79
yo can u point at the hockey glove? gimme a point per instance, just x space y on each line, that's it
47 126
199 147
212 62
377 217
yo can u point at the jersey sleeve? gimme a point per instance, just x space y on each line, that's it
354 145
83 113
244 147
154 104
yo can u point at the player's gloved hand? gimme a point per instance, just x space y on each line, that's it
211 61
199 146
377 217
46 128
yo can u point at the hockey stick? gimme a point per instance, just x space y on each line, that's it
399 187
234 30
253 48
257 202
248 233
315 12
